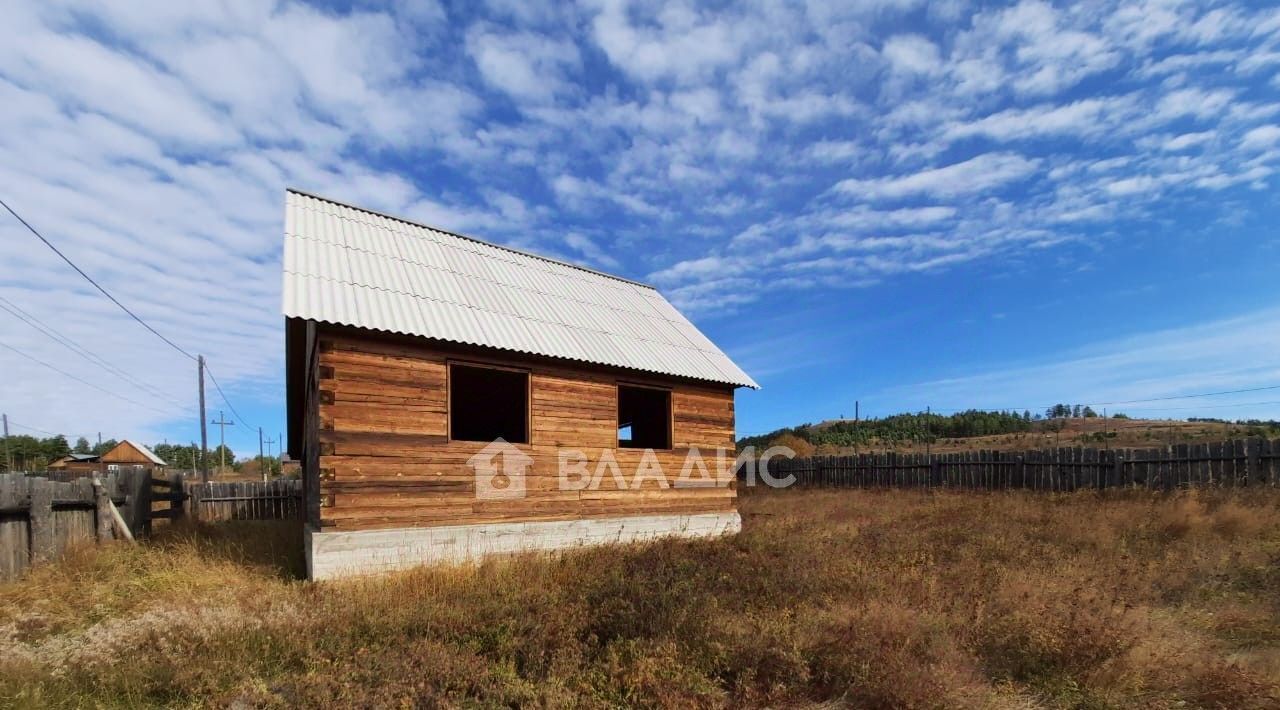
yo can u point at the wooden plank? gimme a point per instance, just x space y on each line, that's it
41 520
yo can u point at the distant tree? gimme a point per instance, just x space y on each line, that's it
216 457
55 447
1119 415
82 446
104 447
1089 413
1026 416
1058 411
791 441
1075 411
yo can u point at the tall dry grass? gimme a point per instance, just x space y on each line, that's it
865 598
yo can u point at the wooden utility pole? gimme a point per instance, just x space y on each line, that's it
204 431
222 440
262 460
928 447
8 455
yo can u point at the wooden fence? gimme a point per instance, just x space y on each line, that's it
1242 462
280 499
40 518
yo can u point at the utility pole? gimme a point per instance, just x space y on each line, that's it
269 443
928 448
8 455
262 460
222 439
204 431
856 410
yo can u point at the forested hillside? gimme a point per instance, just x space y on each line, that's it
1061 424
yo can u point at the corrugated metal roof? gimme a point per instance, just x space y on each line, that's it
151 455
351 266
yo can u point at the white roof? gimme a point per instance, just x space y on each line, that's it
151 455
352 266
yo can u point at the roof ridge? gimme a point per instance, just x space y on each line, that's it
477 240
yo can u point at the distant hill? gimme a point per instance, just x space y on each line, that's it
977 429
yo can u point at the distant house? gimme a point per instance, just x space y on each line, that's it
410 350
77 463
130 454
126 454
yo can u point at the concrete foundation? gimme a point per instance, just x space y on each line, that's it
332 555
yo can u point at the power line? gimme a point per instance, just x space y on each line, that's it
240 419
30 428
79 350
1190 396
87 383
1212 406
95 283
1107 404
122 307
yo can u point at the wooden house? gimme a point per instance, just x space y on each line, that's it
131 454
439 388
125 455
77 463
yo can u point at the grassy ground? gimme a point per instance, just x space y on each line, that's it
873 599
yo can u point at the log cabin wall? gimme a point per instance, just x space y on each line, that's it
385 459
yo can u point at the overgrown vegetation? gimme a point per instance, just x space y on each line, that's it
866 598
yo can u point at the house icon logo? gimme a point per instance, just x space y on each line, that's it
500 471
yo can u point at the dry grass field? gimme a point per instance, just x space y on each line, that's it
865 598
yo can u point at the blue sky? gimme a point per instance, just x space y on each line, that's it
949 205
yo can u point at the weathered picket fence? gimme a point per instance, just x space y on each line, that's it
1240 462
280 499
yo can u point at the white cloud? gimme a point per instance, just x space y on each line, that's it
1081 118
681 44
1188 140
975 175
912 54
1261 137
669 139
529 67
592 251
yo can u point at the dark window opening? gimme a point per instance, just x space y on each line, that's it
644 418
486 403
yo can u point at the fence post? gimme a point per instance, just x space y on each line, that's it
1117 474
42 543
101 510
175 498
194 493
